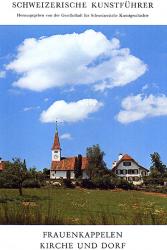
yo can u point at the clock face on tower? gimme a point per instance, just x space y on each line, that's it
55 156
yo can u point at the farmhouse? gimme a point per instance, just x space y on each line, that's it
128 169
64 167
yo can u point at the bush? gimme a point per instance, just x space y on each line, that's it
8 183
155 189
103 182
149 180
97 182
2 182
68 183
31 183
107 182
86 183
121 183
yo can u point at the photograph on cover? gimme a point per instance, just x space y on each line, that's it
83 115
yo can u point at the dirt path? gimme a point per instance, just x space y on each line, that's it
144 192
156 194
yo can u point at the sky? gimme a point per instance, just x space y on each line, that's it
104 85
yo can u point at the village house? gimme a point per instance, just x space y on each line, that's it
128 169
64 167
2 164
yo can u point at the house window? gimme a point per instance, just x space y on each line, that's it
126 163
121 171
144 173
132 171
125 171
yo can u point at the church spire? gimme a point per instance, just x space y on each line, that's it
56 144
56 128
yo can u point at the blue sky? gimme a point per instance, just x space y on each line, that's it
104 84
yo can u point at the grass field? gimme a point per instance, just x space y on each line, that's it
80 206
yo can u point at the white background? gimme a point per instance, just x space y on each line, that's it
158 15
136 237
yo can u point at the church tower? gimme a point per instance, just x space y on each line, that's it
56 150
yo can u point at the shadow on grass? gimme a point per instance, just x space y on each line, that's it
28 198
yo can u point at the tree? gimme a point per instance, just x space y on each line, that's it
158 171
78 166
96 164
15 173
157 168
34 174
46 173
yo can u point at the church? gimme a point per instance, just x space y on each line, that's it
64 167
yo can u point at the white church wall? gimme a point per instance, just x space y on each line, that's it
52 175
61 174
72 175
84 175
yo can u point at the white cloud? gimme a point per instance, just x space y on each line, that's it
31 108
46 99
150 86
62 111
66 136
139 107
2 74
71 59
146 86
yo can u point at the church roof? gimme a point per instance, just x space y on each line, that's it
56 143
68 163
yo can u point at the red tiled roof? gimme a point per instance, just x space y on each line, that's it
126 157
68 164
2 165
56 144
65 164
84 163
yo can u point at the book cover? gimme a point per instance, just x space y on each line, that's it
83 113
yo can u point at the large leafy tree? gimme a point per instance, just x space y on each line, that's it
157 166
15 173
46 173
158 171
96 163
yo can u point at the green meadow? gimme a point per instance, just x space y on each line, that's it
81 206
